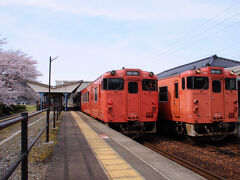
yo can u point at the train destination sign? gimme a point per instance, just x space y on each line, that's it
132 73
216 71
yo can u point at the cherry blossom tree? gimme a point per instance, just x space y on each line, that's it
16 68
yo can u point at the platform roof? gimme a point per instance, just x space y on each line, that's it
235 69
83 85
63 88
213 61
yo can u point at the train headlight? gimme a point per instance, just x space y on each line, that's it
154 102
198 71
110 102
151 74
235 109
110 105
231 73
113 73
195 101
195 109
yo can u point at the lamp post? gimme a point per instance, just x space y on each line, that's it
49 86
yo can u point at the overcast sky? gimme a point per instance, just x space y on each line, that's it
92 37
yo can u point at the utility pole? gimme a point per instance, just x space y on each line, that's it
49 87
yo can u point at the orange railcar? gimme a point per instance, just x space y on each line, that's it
125 99
200 102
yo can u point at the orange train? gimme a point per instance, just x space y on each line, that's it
124 99
201 102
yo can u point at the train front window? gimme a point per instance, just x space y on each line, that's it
149 85
197 82
132 87
113 84
216 86
230 84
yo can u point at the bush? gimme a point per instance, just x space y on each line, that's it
13 109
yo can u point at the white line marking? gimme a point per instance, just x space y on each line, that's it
14 134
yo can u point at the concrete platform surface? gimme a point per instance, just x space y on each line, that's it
87 149
72 156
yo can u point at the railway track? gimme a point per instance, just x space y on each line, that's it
5 118
10 147
203 172
223 147
230 150
12 131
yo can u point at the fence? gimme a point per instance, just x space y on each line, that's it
25 149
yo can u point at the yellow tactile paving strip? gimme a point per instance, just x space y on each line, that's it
114 165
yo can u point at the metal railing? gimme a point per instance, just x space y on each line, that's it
25 149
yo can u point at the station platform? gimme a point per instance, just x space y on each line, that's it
87 149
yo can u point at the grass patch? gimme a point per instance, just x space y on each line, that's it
13 109
30 107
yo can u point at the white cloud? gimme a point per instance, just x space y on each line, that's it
78 60
87 61
127 10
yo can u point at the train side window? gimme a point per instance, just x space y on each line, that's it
95 94
183 83
176 89
230 84
132 87
163 94
216 86
104 84
85 97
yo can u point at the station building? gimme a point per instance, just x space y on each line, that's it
62 94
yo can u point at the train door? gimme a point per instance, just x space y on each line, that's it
176 100
99 95
133 98
216 96
91 101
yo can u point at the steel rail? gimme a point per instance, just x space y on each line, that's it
38 136
5 118
10 122
220 149
216 150
25 149
191 166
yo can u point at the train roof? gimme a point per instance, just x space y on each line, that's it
212 61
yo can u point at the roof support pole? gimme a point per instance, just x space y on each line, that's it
41 95
65 94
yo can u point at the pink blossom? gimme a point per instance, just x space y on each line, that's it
16 68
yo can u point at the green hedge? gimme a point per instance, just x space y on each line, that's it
13 109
